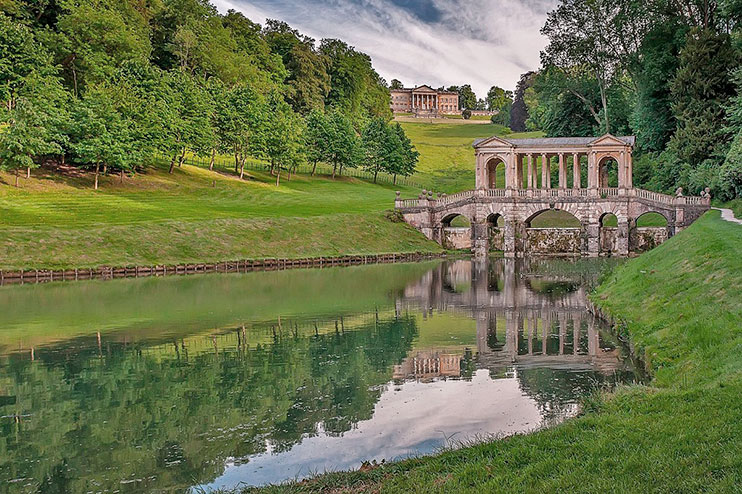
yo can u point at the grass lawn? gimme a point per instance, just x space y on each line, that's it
446 153
735 205
680 305
193 215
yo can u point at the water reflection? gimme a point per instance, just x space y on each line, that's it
221 380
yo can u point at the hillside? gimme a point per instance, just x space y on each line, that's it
56 220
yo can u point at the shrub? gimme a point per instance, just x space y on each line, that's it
466 114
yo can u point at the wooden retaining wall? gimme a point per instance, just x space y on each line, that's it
243 266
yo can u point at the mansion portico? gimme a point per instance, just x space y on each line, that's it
424 101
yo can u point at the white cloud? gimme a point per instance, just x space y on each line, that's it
482 42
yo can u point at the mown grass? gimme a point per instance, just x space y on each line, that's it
680 305
446 153
194 215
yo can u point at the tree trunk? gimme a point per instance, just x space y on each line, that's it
604 101
182 157
97 172
121 176
334 167
236 161
172 163
314 168
278 177
242 168
288 179
28 172
395 179
340 171
16 177
211 162
376 172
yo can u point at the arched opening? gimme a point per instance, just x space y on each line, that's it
456 220
651 230
608 172
553 232
495 173
609 220
651 219
456 232
495 231
609 234
495 220
553 218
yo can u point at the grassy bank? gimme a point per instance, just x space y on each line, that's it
446 153
56 220
681 306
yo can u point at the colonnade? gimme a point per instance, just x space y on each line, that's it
425 101
524 171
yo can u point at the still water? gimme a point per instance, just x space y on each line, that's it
178 384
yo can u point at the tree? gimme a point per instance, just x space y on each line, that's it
100 134
381 147
406 155
396 84
467 98
700 91
316 138
24 137
242 123
283 143
500 101
344 149
519 110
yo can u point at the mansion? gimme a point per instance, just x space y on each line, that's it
423 101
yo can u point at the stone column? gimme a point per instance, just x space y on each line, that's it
531 174
576 175
592 172
545 178
513 232
562 172
628 177
480 239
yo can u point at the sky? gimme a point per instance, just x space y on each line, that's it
435 42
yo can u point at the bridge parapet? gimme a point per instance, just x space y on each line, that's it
517 206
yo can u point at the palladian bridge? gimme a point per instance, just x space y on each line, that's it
593 183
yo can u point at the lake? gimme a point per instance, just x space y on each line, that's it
185 383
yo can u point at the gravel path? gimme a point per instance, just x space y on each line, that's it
727 214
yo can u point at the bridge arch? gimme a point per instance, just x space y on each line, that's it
534 210
652 218
491 167
608 171
452 218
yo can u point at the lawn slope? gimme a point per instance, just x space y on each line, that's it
56 220
681 306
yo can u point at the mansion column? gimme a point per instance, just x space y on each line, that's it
592 170
576 175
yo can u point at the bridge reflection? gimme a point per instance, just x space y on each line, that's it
523 320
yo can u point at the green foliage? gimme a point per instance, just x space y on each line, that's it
388 149
699 101
466 114
467 98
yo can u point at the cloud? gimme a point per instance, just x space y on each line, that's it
437 42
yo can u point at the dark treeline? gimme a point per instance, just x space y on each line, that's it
110 84
666 71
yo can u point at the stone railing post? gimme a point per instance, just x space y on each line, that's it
398 200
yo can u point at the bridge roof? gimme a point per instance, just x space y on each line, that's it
556 141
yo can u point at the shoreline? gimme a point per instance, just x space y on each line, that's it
36 276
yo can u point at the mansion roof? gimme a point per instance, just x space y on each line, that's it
423 88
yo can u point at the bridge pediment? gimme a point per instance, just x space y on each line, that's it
608 140
493 142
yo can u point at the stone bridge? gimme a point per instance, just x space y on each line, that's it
500 217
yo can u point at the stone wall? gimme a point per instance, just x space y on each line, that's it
553 240
457 238
647 238
497 239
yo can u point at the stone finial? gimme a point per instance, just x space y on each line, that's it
679 192
430 194
707 192
398 194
